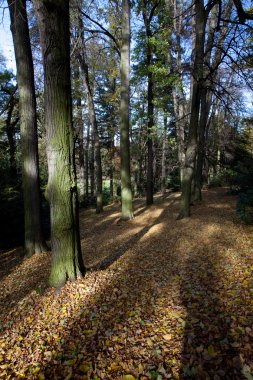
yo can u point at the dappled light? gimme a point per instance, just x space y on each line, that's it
168 298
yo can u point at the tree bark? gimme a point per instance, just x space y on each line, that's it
126 192
196 82
34 241
53 22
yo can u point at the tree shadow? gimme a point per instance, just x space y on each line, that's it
209 352
109 260
124 307
27 276
156 302
9 260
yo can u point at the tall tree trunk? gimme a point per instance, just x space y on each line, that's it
126 192
81 155
147 18
53 22
150 159
178 95
92 119
86 154
111 169
210 68
196 80
34 241
164 148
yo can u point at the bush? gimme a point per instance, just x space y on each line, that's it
174 181
245 206
107 199
224 178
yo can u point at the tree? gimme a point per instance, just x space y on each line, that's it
34 241
81 55
53 22
126 192
197 77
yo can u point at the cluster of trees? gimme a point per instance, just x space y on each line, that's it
190 62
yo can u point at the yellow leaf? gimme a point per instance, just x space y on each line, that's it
167 336
128 377
36 370
149 342
88 332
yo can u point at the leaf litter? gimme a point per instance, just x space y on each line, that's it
162 299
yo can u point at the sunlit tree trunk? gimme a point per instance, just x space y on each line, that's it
34 241
126 192
53 22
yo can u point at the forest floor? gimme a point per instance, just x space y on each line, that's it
162 299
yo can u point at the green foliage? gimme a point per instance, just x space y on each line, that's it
107 198
174 181
245 206
223 178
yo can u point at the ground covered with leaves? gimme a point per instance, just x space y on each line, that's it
162 299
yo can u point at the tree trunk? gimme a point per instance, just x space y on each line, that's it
150 168
178 95
53 22
92 119
164 148
211 69
126 192
150 99
34 241
81 156
86 153
196 80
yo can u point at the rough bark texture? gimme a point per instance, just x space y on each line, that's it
34 241
196 82
126 192
53 21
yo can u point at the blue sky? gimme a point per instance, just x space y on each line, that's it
6 45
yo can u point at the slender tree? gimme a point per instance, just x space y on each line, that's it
126 192
53 22
196 82
34 241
